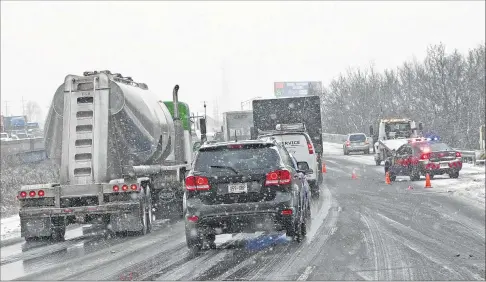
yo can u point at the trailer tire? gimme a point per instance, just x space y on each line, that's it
58 234
58 228
149 214
143 218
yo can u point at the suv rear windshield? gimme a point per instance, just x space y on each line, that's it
357 137
238 159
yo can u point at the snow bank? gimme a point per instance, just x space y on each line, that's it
9 227
13 177
470 185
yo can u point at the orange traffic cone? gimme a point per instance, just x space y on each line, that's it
427 181
324 170
354 176
387 178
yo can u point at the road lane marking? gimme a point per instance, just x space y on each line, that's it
308 270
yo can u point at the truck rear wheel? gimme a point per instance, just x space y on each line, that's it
149 215
58 228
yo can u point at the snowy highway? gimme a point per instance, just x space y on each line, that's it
362 229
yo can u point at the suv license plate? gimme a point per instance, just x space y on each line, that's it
237 188
444 165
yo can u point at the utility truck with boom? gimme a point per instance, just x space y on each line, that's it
393 133
122 156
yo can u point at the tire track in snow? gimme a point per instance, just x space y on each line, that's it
96 260
423 245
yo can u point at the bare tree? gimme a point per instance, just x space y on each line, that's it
446 91
33 111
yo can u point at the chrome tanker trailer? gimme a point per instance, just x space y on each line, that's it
122 156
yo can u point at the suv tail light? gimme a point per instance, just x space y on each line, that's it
458 155
287 212
194 183
348 143
311 150
278 177
425 156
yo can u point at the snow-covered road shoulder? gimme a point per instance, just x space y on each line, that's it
10 227
470 186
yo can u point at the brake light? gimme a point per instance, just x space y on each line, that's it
348 143
311 150
40 193
125 187
197 183
32 193
133 187
116 188
193 218
23 194
287 212
235 146
425 156
278 177
458 155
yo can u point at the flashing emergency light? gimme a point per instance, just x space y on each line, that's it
432 137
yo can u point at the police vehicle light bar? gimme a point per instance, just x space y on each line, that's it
413 140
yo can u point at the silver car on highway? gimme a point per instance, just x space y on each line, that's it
356 142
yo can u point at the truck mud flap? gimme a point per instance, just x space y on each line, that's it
35 227
125 222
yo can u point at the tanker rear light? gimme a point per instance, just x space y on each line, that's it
31 194
125 188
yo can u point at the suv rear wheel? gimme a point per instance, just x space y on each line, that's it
414 173
454 174
193 242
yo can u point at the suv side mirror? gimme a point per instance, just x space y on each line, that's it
304 168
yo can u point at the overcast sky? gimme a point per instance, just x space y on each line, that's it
189 43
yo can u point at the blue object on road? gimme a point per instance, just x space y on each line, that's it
264 241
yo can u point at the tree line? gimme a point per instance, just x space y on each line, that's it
445 91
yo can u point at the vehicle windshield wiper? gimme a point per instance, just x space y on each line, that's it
223 166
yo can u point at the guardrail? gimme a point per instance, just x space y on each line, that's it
334 138
14 147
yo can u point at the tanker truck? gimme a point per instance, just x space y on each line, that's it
122 156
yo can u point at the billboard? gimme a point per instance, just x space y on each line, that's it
297 88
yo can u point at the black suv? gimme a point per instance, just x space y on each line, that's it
245 186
